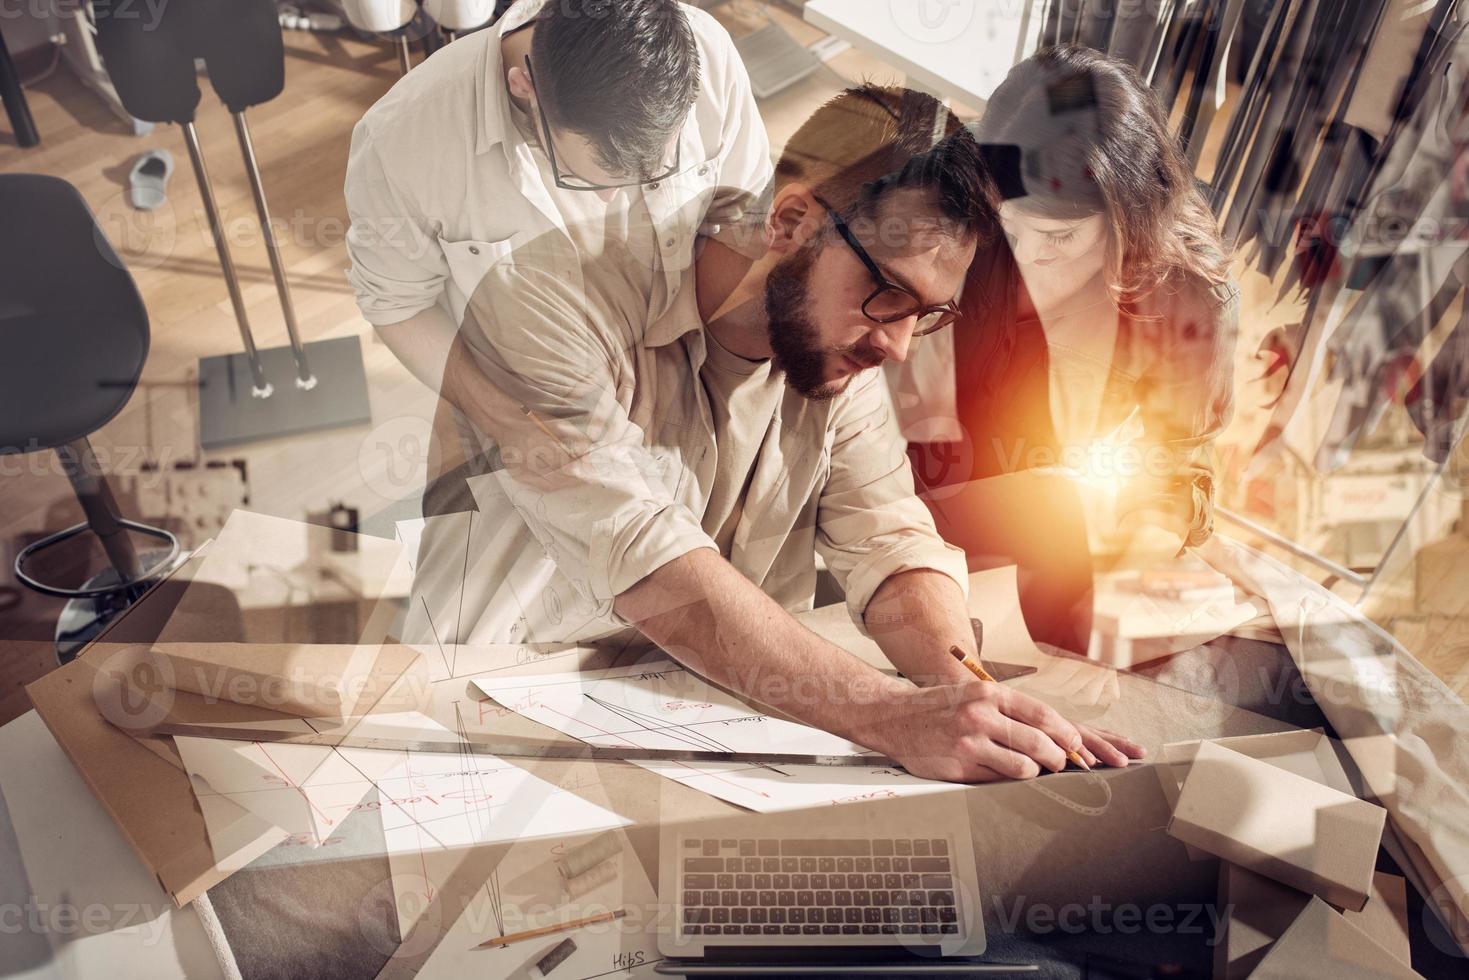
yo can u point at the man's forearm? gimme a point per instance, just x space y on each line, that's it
716 622
422 344
713 620
916 616
436 352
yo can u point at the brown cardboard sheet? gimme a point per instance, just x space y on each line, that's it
264 579
142 787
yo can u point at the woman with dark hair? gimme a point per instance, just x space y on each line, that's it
1097 341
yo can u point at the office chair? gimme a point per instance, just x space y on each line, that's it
74 336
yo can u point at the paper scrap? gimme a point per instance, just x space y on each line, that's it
305 790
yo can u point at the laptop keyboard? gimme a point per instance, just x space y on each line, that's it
807 887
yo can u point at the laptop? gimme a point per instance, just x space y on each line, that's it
887 888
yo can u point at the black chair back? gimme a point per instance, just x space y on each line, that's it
73 329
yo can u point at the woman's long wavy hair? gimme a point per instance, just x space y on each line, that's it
1072 132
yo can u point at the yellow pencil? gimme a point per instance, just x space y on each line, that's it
977 669
516 937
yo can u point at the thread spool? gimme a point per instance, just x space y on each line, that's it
593 878
580 860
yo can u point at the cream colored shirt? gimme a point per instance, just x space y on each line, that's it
605 458
743 396
441 184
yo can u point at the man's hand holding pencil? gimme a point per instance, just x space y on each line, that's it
979 730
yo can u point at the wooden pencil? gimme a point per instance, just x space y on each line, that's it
977 669
516 937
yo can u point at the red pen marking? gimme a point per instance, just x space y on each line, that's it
329 821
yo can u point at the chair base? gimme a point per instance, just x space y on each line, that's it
82 620
230 413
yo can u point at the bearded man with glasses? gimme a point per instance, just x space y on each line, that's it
677 474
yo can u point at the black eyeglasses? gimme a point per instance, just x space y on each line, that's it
890 302
571 182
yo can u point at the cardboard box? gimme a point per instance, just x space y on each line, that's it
1279 824
1256 911
315 680
1321 944
1385 919
1305 752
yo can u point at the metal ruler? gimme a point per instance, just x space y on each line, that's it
566 751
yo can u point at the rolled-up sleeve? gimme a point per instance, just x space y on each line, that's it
870 524
398 268
564 451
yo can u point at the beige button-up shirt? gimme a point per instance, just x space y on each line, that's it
441 184
604 458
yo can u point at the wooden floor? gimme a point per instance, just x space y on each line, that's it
301 140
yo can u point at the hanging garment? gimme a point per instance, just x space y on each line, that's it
1437 403
1379 233
1373 355
1417 219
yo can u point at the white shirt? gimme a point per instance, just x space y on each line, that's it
441 184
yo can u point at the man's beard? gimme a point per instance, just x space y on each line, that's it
794 339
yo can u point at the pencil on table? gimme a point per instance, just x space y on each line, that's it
516 937
977 669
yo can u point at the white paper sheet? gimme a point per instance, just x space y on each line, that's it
661 705
305 790
434 806
427 800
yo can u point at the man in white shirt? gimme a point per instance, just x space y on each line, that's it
679 473
652 131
